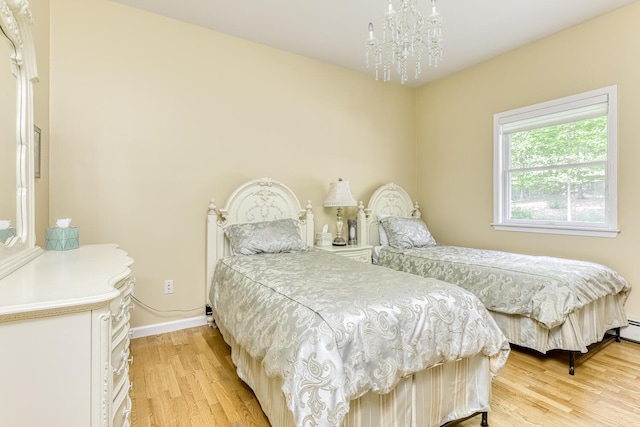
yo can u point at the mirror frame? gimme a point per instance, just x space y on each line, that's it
15 25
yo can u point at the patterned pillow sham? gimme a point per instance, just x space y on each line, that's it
407 233
280 235
384 240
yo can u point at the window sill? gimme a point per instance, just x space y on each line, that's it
571 231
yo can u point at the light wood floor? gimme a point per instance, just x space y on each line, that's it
186 378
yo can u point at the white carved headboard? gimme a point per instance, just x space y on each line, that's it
390 199
262 199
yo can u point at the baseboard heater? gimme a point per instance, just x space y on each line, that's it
632 332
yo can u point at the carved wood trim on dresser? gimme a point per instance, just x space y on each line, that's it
64 331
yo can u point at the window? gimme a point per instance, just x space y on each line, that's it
555 166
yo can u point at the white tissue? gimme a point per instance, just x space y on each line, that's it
4 224
63 223
325 228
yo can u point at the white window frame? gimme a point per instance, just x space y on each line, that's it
501 185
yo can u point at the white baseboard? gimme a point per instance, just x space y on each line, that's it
631 332
161 328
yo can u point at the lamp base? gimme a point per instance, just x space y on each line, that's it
339 241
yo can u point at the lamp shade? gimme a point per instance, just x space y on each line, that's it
339 195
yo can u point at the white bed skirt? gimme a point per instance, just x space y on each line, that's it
582 327
429 398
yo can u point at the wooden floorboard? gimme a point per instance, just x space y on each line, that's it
186 378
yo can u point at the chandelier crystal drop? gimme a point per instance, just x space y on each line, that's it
406 37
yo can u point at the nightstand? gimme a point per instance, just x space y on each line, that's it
360 253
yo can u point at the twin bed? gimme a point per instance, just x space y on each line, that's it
324 340
541 303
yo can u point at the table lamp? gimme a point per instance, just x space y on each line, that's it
339 196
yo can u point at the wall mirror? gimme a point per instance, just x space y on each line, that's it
18 72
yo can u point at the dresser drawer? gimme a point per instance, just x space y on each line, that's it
122 409
121 382
125 286
362 256
360 253
120 356
121 307
121 323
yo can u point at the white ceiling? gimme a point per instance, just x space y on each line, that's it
335 31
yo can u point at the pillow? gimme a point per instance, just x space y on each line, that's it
281 235
407 233
384 240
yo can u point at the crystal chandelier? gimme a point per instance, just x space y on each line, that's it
406 34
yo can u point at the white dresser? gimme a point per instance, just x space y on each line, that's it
64 340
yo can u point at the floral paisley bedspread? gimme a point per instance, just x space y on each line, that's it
333 328
546 289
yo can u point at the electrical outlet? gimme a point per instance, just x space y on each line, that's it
168 286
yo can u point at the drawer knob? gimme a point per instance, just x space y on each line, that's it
125 306
124 360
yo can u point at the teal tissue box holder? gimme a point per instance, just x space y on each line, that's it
62 239
6 234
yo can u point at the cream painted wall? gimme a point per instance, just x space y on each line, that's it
455 139
151 118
